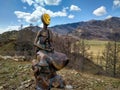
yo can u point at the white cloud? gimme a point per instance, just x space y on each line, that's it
23 15
40 10
35 15
116 3
65 8
74 8
52 2
39 2
2 30
71 16
41 25
30 2
109 16
42 2
9 28
100 11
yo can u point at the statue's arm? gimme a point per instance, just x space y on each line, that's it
51 39
36 40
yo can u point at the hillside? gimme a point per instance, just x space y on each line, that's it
66 28
93 29
98 29
19 76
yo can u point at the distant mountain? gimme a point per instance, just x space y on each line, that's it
66 28
97 29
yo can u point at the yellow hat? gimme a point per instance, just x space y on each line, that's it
46 18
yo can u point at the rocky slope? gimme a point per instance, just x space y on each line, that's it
98 29
19 76
90 29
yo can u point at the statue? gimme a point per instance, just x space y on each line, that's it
48 60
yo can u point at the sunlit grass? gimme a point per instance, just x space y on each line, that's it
96 48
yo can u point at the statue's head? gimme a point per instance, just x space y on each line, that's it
45 19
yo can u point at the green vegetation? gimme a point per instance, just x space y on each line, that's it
7 49
12 73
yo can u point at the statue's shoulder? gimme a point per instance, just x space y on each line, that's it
50 31
41 30
43 33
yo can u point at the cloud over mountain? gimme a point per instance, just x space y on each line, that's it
100 11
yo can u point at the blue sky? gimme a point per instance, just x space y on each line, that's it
13 13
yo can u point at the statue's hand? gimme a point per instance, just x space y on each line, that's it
35 69
52 49
35 66
49 49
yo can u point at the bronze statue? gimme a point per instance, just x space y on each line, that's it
48 60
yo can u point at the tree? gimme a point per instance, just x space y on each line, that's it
111 54
81 48
24 42
106 56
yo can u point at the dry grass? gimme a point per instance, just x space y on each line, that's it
96 46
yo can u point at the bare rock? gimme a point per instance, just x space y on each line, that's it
70 87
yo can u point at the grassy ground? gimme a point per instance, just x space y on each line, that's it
7 48
12 74
96 46
19 76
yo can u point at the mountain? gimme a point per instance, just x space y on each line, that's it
66 28
93 29
98 29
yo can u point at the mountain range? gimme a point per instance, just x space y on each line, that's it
93 29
